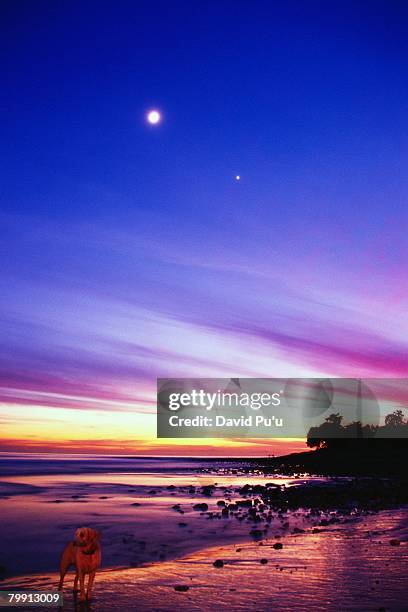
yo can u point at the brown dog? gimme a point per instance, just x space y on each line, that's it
85 554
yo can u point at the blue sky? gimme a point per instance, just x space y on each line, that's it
130 251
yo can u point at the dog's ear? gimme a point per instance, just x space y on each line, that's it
92 534
81 532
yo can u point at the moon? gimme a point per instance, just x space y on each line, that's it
154 117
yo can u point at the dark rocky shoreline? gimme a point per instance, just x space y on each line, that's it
365 457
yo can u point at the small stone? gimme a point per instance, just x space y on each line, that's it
218 563
278 546
182 588
264 561
202 507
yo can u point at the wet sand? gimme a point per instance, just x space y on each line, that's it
135 513
343 567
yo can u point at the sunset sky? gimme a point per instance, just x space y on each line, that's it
130 251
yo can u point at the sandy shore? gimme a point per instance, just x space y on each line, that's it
136 514
350 567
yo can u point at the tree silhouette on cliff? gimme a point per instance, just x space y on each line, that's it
333 434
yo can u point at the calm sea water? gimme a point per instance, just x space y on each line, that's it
44 498
47 463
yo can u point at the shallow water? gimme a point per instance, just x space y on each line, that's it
41 508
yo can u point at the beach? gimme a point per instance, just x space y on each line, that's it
164 523
351 569
144 509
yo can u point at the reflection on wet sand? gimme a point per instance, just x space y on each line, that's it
141 516
352 567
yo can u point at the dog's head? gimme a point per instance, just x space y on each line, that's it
85 536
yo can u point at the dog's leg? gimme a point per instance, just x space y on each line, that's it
81 586
65 563
76 583
90 585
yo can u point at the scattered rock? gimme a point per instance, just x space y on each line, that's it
395 542
244 503
182 588
278 546
202 507
264 561
207 490
218 563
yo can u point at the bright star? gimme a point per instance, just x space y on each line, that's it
237 178
154 117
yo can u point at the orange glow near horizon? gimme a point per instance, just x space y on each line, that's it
52 429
